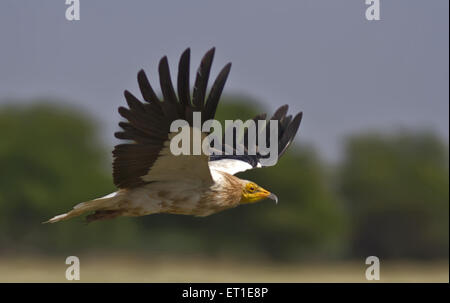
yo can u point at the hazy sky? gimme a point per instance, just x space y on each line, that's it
322 57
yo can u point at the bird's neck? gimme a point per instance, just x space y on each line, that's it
227 187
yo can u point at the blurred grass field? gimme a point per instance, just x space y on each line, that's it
128 268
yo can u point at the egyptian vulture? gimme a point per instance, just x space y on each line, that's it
150 179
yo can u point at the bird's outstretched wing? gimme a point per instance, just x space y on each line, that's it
147 157
234 163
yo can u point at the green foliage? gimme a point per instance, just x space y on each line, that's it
50 160
397 193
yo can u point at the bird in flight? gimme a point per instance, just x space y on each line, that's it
151 179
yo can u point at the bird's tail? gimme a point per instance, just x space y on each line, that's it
106 203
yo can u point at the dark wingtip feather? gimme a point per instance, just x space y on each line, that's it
120 135
183 78
296 122
216 92
165 81
163 67
201 80
146 89
290 133
163 61
125 125
132 101
226 69
210 52
123 111
280 112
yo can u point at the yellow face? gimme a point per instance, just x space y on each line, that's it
252 192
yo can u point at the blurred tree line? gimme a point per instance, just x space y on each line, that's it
389 197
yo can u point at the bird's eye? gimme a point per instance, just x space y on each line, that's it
251 188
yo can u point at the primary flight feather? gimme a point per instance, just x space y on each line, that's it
150 179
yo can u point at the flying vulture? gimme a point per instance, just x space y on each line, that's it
151 179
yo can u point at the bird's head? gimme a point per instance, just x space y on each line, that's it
252 192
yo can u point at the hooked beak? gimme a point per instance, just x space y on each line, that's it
269 195
260 194
273 197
